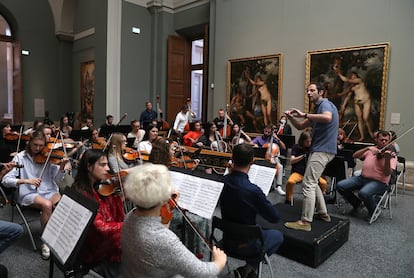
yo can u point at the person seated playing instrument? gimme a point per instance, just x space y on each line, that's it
136 133
117 158
107 128
37 181
220 119
241 201
183 117
149 249
151 135
208 137
298 160
378 164
191 137
101 250
270 141
238 136
7 148
64 127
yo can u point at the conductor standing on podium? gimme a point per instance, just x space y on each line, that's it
324 123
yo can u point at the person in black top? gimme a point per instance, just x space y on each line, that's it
107 128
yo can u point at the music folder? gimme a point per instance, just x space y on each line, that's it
68 226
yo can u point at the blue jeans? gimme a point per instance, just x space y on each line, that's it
368 188
272 239
9 231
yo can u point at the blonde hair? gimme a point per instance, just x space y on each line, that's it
116 144
148 185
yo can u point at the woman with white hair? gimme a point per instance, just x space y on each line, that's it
149 249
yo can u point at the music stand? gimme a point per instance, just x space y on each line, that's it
130 142
67 229
124 129
260 152
81 134
289 140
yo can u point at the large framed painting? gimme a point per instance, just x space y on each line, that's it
254 88
87 88
355 80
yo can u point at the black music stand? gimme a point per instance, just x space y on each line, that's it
67 229
81 134
124 129
289 140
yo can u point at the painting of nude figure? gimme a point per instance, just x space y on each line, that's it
355 80
254 91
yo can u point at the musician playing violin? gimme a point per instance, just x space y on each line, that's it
36 190
102 247
149 249
116 153
378 164
150 136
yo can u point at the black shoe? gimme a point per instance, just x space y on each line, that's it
356 211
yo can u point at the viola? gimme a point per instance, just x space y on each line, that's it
111 184
54 156
15 136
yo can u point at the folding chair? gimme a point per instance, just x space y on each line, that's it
10 196
401 160
247 232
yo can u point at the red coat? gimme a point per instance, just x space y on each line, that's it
104 237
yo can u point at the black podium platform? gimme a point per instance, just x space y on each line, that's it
309 248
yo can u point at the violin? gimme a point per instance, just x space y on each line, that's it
15 136
54 156
59 144
99 143
167 209
184 162
130 155
111 184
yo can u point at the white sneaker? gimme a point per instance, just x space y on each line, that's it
45 252
280 190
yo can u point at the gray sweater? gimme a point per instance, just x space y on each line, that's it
151 250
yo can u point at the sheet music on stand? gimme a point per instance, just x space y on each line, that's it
199 192
67 227
262 173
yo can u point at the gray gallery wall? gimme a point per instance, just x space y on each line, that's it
45 74
245 28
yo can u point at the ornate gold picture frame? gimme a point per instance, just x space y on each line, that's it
254 88
355 80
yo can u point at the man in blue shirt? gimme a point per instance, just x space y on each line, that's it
147 116
240 202
324 123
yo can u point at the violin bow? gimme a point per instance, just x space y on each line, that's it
107 143
20 138
47 159
121 186
398 138
352 130
181 152
347 122
193 227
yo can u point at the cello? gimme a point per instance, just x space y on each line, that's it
225 131
161 123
